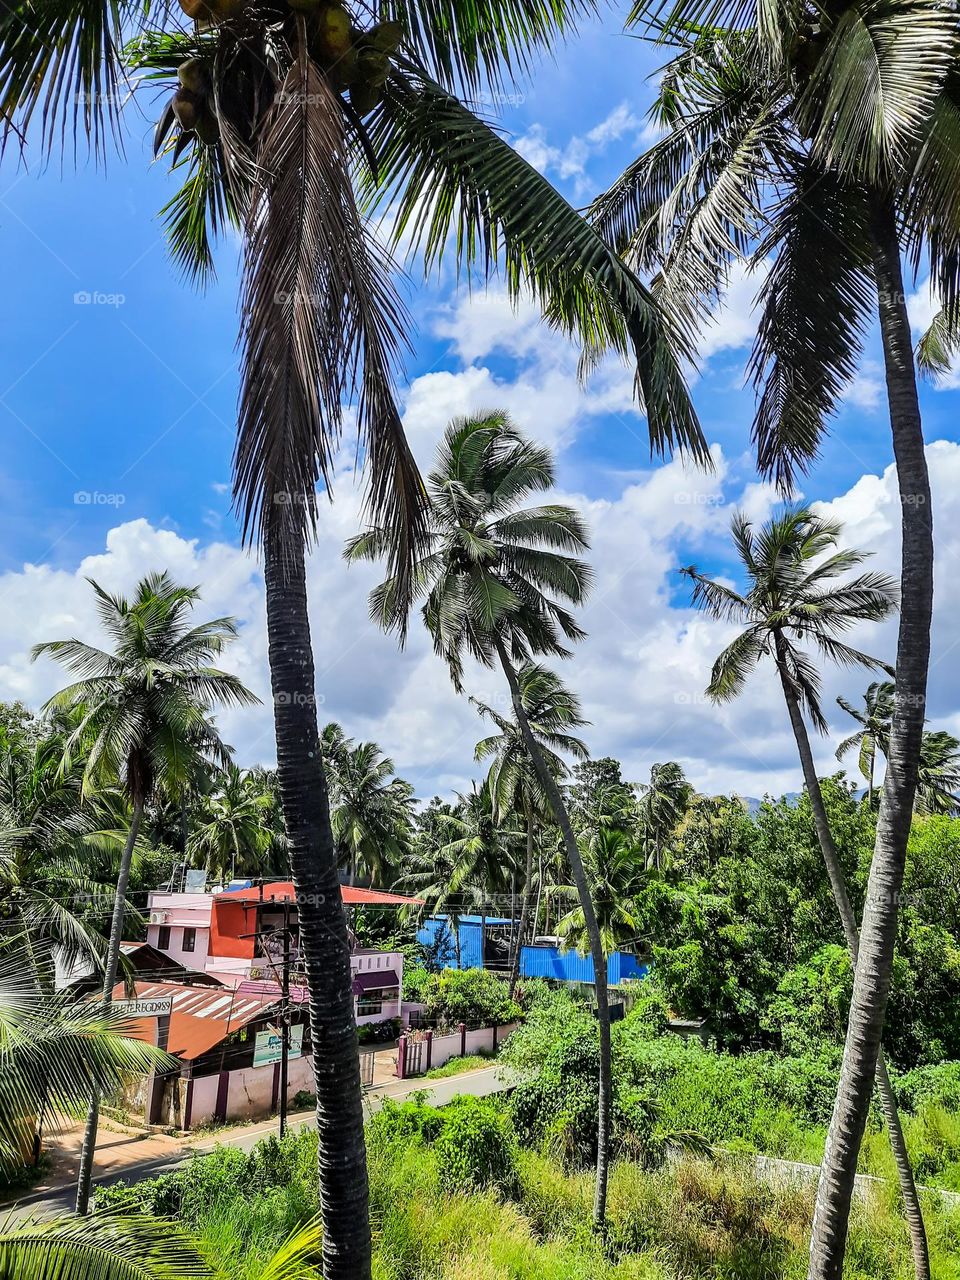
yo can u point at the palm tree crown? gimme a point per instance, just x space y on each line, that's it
494 572
874 721
552 710
144 705
798 595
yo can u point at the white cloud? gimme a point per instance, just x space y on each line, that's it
641 671
570 161
735 324
865 391
544 394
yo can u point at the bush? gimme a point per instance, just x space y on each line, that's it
219 1178
404 1122
940 1084
476 1147
474 996
379 1032
556 1019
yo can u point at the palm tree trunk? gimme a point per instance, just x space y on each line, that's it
871 987
110 966
562 817
908 1187
525 903
324 940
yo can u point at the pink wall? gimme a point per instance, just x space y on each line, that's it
204 1100
447 1046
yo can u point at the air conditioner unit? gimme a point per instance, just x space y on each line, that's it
158 917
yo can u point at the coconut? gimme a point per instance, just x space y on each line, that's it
373 67
364 97
333 40
343 72
195 8
208 126
192 75
212 10
186 107
385 37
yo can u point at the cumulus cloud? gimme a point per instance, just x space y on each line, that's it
542 390
641 672
569 162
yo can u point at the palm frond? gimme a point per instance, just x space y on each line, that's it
321 321
814 307
458 187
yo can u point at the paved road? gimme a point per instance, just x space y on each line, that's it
437 1092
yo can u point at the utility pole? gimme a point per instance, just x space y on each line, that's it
285 1018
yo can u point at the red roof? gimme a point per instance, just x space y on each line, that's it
201 1016
351 894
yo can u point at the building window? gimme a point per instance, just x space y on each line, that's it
368 1004
189 939
163 937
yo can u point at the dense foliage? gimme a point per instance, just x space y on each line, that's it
508 1210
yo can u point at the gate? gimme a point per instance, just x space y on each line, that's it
414 1063
367 1060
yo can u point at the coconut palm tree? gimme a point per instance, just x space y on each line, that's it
616 865
800 593
497 578
55 854
142 712
938 778
822 145
938 774
270 123
552 710
54 1050
231 834
663 802
371 809
874 721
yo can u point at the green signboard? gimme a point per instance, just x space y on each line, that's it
269 1045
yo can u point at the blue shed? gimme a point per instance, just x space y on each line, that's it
543 960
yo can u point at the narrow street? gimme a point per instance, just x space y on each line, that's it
129 1155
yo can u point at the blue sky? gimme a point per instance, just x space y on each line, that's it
129 399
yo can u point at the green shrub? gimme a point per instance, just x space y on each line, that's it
474 996
476 1147
940 1084
219 1178
404 1122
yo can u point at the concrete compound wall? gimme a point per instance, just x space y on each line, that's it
452 1045
249 1093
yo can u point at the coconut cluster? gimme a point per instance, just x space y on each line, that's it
192 104
356 62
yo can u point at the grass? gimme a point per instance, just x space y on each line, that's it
456 1066
695 1220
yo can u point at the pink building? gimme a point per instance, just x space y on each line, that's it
233 936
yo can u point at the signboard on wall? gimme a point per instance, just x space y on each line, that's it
143 1008
268 1045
